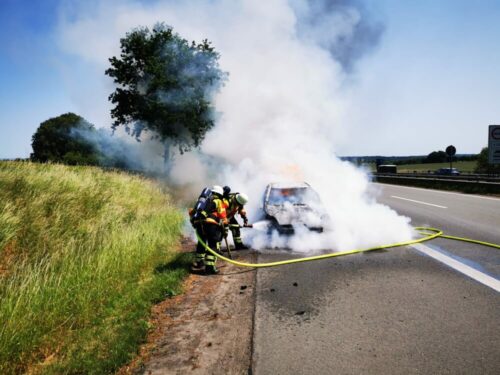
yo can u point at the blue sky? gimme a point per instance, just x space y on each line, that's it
32 88
433 80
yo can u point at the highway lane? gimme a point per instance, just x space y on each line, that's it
390 312
469 215
463 215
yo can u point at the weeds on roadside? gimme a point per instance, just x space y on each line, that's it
79 255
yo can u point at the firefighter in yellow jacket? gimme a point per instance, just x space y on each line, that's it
236 205
210 228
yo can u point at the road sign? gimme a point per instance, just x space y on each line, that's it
494 144
451 150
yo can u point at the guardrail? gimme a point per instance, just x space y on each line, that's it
462 177
441 183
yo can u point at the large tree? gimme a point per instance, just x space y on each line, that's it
165 84
62 140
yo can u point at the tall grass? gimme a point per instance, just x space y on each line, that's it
82 255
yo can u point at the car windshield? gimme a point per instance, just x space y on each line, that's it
292 195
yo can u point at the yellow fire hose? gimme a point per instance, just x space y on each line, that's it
428 233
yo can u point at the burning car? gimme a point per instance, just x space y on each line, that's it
290 205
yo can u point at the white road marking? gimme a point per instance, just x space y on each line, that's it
443 192
412 200
460 267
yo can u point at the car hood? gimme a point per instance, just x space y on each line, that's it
289 214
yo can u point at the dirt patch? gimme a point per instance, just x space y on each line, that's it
206 330
7 258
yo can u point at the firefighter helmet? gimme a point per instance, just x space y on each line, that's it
242 198
217 189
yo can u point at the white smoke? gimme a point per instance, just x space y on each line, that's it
282 108
117 149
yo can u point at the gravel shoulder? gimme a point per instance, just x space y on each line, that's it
206 330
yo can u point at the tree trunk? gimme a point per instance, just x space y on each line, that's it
168 158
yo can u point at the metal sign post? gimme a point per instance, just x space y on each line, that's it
494 144
450 151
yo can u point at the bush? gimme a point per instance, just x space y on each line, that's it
59 140
483 165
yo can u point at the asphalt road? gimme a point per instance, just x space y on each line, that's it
388 312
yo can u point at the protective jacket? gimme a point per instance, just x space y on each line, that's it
235 208
216 210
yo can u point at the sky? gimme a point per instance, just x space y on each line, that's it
432 78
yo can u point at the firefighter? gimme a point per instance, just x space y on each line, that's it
227 191
197 215
236 203
210 229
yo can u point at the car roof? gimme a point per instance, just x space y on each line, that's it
288 185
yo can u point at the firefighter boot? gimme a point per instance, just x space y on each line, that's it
199 261
210 268
239 245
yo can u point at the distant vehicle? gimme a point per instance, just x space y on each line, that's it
448 172
387 168
288 205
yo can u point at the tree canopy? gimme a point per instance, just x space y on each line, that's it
165 84
59 140
436 157
483 165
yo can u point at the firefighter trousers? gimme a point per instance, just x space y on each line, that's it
211 234
235 231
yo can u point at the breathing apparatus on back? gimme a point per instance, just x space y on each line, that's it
201 204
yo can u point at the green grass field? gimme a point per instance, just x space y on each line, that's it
462 166
83 255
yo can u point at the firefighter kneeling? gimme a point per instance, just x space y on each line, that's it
209 219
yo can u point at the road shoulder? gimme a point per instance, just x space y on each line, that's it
206 330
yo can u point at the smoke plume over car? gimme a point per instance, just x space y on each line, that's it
281 111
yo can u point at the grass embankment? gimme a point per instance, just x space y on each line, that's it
83 254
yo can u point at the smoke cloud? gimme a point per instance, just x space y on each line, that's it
282 110
344 27
118 150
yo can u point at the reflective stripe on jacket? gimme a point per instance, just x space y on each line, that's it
216 210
